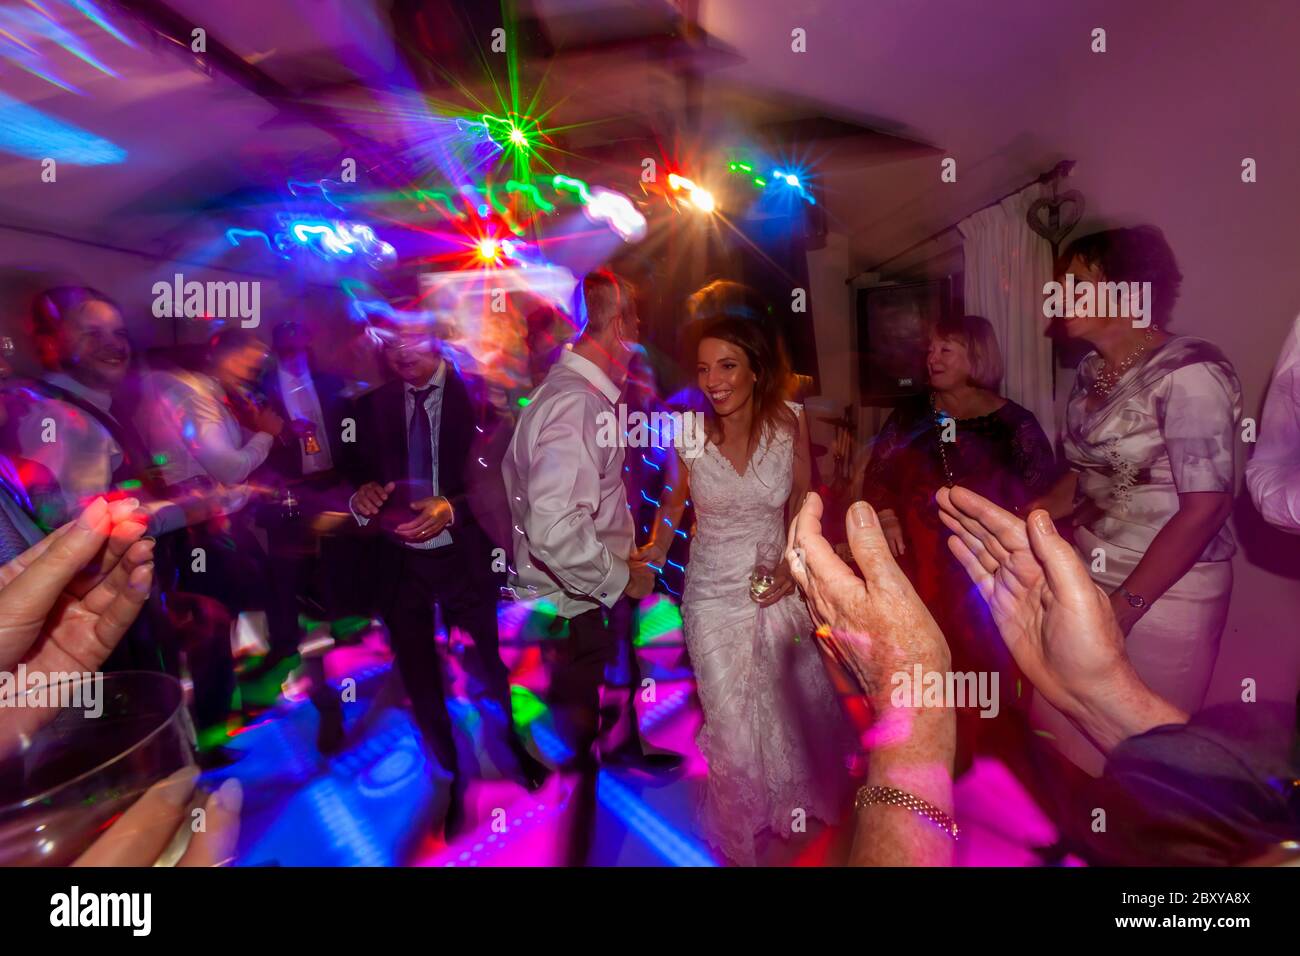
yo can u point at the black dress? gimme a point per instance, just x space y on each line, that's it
1004 456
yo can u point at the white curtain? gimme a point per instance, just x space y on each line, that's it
1007 264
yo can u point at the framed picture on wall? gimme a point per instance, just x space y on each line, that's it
894 323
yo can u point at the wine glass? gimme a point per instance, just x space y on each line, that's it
66 771
767 558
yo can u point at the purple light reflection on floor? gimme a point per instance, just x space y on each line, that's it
377 803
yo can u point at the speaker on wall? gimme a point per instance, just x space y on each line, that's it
894 323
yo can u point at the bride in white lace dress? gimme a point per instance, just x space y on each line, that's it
774 735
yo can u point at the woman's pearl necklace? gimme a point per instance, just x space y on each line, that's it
1109 377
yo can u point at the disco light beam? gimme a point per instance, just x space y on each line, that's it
793 181
532 192
96 16
616 210
234 236
320 186
697 196
27 131
575 186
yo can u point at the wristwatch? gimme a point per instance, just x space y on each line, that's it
1136 601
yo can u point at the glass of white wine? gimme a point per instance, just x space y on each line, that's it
767 558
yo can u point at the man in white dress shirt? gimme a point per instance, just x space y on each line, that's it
573 530
1273 474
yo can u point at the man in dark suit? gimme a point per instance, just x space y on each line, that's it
306 472
312 401
417 442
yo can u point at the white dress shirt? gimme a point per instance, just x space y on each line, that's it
433 408
302 402
573 529
1273 474
80 454
188 424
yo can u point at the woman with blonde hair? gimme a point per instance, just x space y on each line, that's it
960 431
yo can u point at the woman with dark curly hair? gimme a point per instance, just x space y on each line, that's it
1149 436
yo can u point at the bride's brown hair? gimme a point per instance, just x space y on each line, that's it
773 379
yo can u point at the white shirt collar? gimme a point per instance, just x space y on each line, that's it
592 373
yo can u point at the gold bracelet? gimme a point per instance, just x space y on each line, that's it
901 798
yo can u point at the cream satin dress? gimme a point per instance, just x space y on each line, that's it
1168 427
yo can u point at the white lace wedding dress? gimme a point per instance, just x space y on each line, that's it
774 735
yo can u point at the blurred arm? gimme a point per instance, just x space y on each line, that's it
212 445
1273 474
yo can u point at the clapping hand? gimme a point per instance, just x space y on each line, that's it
875 625
1056 622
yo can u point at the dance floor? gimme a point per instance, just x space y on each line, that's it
377 802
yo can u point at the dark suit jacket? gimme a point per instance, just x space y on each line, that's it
285 459
465 475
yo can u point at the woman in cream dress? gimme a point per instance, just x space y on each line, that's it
1149 438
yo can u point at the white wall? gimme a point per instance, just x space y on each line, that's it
835 325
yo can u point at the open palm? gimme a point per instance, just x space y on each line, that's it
1057 624
875 625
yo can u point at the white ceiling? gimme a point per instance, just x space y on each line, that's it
1006 87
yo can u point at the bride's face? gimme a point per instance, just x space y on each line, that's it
724 374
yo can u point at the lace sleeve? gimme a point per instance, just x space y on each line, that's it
1034 458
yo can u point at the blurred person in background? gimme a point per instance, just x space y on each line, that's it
649 472
71 435
74 425
18 522
1273 474
303 487
193 424
959 431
